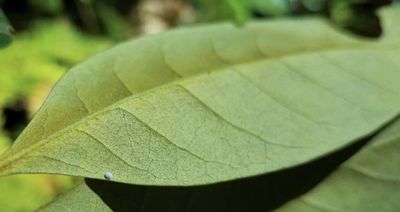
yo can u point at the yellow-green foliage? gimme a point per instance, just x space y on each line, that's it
27 189
41 56
28 192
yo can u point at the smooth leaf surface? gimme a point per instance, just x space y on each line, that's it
369 181
211 104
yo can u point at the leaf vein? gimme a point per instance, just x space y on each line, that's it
232 124
119 78
115 154
285 106
290 68
67 163
169 140
348 71
164 60
371 174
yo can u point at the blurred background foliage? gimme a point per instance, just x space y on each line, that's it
28 192
50 36
5 36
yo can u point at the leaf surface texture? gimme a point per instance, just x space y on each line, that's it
213 103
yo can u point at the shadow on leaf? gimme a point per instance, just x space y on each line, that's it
259 193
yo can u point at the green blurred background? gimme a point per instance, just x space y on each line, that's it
41 39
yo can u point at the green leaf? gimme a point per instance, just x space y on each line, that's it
369 181
260 193
210 104
357 18
314 5
234 10
271 7
77 199
52 7
239 10
5 36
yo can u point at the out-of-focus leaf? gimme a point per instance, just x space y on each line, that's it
370 181
357 16
391 22
115 26
239 9
314 5
5 36
271 7
341 12
211 104
235 10
48 6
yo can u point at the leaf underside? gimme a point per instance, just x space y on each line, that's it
211 104
266 116
369 181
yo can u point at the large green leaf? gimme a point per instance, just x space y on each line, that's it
261 193
370 181
210 104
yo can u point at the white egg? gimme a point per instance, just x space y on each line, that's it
108 175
